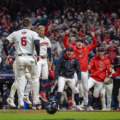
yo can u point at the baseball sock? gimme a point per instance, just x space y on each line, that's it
58 97
93 101
76 97
43 85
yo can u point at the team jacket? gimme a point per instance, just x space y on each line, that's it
82 53
66 67
117 73
98 68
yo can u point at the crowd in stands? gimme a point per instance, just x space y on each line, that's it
81 16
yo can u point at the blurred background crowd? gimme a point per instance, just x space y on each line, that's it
81 16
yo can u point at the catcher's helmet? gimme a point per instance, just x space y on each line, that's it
52 106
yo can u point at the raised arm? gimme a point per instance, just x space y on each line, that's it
65 40
94 42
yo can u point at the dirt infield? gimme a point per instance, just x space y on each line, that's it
43 111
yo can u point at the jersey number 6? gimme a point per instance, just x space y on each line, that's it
23 41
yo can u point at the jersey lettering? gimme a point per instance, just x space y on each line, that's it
44 43
23 41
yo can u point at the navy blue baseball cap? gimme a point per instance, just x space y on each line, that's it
79 39
4 85
100 49
69 48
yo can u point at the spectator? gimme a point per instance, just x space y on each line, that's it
33 18
64 101
1 42
6 93
112 51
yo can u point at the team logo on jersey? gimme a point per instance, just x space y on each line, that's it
72 61
43 43
80 53
100 64
24 32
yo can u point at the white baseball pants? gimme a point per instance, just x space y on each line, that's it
84 80
21 64
108 90
71 83
43 68
14 85
80 88
97 86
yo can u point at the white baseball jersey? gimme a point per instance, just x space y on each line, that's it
24 41
44 44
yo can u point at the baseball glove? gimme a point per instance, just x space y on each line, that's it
49 65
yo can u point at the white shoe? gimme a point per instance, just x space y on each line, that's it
104 109
82 104
10 101
90 108
20 106
78 108
26 99
37 103
58 108
34 108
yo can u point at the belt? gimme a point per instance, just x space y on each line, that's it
43 57
108 83
25 54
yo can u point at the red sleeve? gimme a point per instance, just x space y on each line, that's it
65 41
116 48
91 64
117 73
93 45
51 73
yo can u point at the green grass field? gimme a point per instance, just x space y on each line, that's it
37 115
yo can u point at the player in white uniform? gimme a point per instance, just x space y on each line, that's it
25 43
107 89
10 99
45 48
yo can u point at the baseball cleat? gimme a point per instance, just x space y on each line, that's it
20 106
10 101
42 96
37 103
58 108
78 108
104 108
90 108
118 110
26 99
82 105
39 107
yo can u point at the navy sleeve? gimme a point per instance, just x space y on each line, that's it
78 70
49 53
37 47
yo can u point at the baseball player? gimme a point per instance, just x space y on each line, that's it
98 67
45 48
117 73
25 42
10 99
107 89
64 73
82 52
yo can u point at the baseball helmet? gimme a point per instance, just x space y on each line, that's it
52 106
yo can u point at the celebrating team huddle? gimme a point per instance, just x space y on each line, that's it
32 53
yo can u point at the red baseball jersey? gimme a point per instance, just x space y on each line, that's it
81 53
98 68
